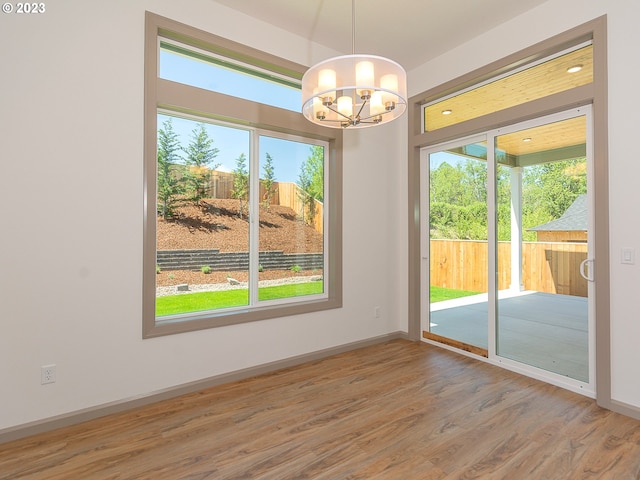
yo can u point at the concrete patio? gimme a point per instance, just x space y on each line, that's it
548 331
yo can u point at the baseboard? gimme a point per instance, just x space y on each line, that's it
79 416
624 409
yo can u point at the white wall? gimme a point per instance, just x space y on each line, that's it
71 129
553 17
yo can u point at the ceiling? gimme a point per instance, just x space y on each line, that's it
411 32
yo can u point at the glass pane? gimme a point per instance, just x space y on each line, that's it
542 232
291 232
202 222
224 76
458 245
555 75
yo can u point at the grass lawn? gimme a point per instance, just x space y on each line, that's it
200 301
439 294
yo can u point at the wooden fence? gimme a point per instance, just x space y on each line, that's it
551 267
290 195
286 194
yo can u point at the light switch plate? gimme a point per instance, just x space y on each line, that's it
628 256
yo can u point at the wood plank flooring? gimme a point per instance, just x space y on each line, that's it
398 410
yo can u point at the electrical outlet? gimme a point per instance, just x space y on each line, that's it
47 374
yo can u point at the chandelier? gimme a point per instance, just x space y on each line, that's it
354 90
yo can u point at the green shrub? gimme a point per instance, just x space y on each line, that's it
206 269
295 268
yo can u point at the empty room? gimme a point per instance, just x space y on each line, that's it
319 239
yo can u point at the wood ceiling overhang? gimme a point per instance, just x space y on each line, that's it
524 85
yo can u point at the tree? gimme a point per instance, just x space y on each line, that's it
200 154
314 165
503 208
240 183
311 181
446 184
268 181
475 180
170 184
549 189
557 185
458 195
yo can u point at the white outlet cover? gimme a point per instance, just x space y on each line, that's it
47 374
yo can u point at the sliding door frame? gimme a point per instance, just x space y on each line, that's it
578 386
425 256
489 138
595 94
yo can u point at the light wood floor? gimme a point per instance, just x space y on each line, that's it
399 410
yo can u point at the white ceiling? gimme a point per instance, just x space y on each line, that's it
410 32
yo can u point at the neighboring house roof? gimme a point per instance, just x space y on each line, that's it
573 219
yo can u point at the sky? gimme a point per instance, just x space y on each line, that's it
232 142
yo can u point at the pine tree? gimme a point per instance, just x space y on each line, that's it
311 182
268 181
200 154
170 184
241 183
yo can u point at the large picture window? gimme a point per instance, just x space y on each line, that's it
242 195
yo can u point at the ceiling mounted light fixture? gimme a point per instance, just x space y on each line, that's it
354 90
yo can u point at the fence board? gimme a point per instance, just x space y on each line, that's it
551 267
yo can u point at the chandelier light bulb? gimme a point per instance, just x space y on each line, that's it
327 85
389 84
376 105
319 110
365 77
345 106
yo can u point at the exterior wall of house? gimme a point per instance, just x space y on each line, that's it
561 236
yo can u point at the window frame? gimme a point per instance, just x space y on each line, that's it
165 95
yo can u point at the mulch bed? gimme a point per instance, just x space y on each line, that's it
215 224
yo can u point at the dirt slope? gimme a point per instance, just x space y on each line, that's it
216 225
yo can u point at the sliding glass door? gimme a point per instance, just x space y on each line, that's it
457 245
506 247
543 241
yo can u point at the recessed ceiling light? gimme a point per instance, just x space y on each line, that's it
574 69
446 112
528 139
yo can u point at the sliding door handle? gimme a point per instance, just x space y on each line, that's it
587 275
